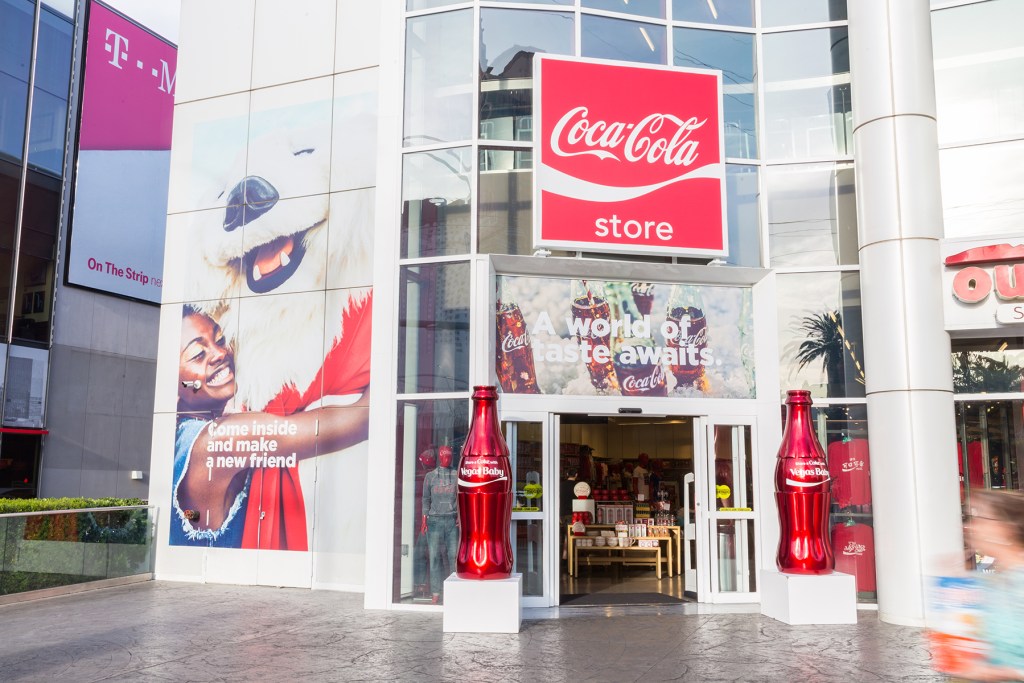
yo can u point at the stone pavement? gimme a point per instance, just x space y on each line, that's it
162 631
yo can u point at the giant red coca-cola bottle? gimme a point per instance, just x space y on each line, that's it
803 494
485 495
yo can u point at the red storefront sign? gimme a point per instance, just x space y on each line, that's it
997 268
628 158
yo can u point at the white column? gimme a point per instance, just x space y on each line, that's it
914 483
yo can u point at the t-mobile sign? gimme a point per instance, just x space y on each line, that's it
628 158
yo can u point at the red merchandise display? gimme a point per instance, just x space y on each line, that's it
802 494
850 468
854 546
485 494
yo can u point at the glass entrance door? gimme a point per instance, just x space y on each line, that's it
726 507
529 445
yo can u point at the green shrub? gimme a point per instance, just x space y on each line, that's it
9 505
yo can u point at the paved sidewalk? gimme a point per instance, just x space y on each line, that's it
161 631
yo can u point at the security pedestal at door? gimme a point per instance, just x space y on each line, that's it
440 516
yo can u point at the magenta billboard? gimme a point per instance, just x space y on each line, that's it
124 139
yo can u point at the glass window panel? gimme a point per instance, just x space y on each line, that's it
540 2
808 107
19 478
436 201
737 556
413 5
821 345
15 55
508 41
439 78
641 8
982 189
734 468
526 456
742 212
842 431
505 215
978 61
35 267
424 556
733 55
528 538
25 393
433 328
724 12
812 215
623 40
49 105
988 366
789 12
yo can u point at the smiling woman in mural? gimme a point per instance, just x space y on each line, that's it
220 454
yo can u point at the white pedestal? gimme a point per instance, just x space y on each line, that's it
483 606
797 599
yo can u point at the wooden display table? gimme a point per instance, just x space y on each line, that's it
618 555
675 538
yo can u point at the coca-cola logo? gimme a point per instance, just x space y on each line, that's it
854 548
655 138
511 342
644 382
853 465
698 339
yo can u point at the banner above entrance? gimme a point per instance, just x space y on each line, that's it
592 337
635 165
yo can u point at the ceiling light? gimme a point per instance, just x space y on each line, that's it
711 6
643 32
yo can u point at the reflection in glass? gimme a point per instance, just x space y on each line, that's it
734 468
808 108
433 328
982 189
528 541
505 215
50 102
641 8
742 213
15 56
733 54
34 293
10 179
990 447
25 395
842 431
508 41
727 13
737 556
439 78
790 12
988 366
627 41
436 200
424 429
978 90
821 344
812 215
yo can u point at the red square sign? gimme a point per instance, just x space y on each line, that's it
628 158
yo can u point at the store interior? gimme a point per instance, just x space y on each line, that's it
621 542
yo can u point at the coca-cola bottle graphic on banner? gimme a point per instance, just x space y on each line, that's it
638 367
517 373
686 310
485 494
643 296
802 494
592 326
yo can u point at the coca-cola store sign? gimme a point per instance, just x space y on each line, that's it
983 283
628 158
